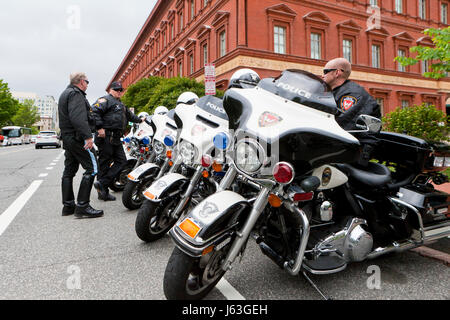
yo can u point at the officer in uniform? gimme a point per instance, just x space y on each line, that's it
353 100
111 119
77 124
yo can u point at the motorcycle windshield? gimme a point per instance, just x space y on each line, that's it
304 88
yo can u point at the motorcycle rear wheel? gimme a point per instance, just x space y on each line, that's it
153 220
189 278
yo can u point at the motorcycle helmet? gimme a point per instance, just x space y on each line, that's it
244 79
143 115
187 98
161 110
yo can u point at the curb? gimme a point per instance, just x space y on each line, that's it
433 254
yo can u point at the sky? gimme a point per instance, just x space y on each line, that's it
43 42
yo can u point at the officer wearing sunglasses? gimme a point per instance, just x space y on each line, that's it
352 99
111 119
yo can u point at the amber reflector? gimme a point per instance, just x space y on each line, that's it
190 228
274 201
149 195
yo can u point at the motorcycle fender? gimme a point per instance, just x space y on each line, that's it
209 223
164 185
137 174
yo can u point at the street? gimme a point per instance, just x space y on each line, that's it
46 256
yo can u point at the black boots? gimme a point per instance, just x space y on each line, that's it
83 208
68 197
103 192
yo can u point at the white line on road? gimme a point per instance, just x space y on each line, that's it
43 175
49 168
228 291
8 216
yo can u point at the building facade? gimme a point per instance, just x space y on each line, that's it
269 36
47 109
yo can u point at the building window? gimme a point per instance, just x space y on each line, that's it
316 46
422 9
180 21
205 54
205 3
172 31
222 43
401 53
405 104
191 63
374 3
376 56
347 48
180 68
399 6
380 102
279 40
444 13
425 66
192 7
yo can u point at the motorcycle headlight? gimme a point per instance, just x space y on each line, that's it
187 152
249 155
159 147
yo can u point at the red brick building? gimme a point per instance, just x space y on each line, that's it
269 36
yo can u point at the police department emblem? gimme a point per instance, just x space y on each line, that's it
347 102
208 209
268 119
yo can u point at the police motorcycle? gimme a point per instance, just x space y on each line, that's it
312 211
156 165
194 174
137 149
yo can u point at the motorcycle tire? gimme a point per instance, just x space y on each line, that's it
120 182
189 278
153 221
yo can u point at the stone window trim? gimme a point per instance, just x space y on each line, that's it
282 16
221 22
377 37
349 30
317 22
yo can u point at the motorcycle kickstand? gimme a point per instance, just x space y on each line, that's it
315 287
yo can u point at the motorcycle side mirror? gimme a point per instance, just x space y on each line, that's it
368 124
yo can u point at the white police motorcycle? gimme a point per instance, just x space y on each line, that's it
163 124
193 176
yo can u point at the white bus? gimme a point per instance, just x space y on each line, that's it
16 135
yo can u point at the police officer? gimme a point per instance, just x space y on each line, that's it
111 117
353 100
76 124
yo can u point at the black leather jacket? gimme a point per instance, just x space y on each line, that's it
111 114
353 100
75 114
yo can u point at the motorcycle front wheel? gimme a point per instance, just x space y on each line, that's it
154 220
132 197
189 278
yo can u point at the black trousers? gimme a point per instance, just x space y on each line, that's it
76 155
111 159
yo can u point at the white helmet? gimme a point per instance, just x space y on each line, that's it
244 78
161 110
187 98
143 115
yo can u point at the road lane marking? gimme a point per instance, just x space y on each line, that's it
49 168
8 216
228 290
43 175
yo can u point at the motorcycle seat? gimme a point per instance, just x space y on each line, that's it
374 175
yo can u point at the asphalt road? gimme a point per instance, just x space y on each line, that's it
45 256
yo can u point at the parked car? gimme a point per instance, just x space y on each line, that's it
47 139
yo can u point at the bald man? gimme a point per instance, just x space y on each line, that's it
352 99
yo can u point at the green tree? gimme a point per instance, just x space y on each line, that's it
138 95
438 56
27 115
424 121
8 105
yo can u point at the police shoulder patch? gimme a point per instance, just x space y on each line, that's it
101 100
347 102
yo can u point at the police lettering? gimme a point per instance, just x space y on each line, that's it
290 88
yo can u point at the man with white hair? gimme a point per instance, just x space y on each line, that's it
77 124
